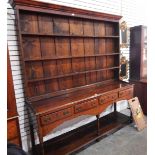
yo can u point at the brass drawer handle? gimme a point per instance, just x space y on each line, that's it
101 101
47 119
78 109
66 112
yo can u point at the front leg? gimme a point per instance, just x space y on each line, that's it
98 125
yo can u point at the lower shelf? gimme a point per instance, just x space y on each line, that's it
80 138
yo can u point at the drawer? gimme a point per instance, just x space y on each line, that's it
12 130
127 92
55 116
86 105
106 98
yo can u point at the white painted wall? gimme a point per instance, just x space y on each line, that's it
133 14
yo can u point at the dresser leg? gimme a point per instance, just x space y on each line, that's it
41 145
115 107
40 135
98 124
31 131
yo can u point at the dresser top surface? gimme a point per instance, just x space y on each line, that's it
71 98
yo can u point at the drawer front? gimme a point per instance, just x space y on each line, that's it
12 130
127 92
79 107
55 116
106 98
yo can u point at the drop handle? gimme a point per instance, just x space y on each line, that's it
101 101
66 112
47 119
78 109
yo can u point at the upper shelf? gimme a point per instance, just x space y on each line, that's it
70 74
66 35
69 57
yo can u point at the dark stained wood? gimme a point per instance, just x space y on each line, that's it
70 60
11 101
13 131
43 48
138 63
138 53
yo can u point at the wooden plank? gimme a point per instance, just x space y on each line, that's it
99 28
64 66
101 62
77 47
78 65
47 47
88 28
89 46
100 46
101 76
66 83
45 24
50 67
110 46
60 25
62 47
76 27
29 22
110 29
51 85
31 49
110 74
110 61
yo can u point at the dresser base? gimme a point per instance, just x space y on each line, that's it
80 138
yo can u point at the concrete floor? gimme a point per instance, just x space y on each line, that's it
127 141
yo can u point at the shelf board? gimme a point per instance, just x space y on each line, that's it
63 144
70 74
69 57
66 35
